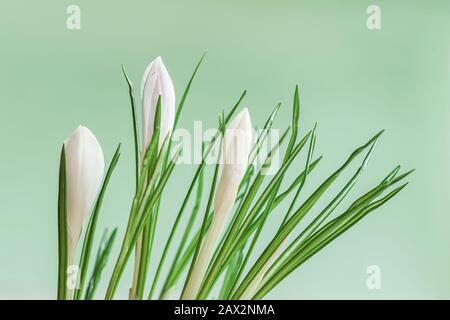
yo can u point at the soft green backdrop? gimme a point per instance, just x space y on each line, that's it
353 82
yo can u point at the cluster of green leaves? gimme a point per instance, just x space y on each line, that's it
230 271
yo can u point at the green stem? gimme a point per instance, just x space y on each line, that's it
144 257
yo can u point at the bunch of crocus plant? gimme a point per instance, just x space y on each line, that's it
216 254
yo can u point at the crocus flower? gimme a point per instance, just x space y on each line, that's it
235 152
156 82
84 173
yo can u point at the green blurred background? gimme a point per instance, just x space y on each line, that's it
353 81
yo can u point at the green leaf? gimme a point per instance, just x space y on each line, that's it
100 262
231 274
243 221
295 117
295 219
135 130
195 210
209 204
300 187
325 213
186 90
274 191
140 213
327 234
138 287
90 230
233 110
62 229
190 190
186 256
297 180
250 229
244 186
318 220
270 206
263 134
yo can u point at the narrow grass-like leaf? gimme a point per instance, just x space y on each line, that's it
121 260
191 188
323 215
91 227
134 119
339 198
231 274
244 187
302 183
203 230
295 117
193 215
140 214
62 229
250 229
233 110
245 184
184 259
295 219
327 234
143 245
254 285
318 220
271 199
100 262
186 90
243 221
263 134
296 182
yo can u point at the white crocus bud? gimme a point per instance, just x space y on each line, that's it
235 152
156 82
84 174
